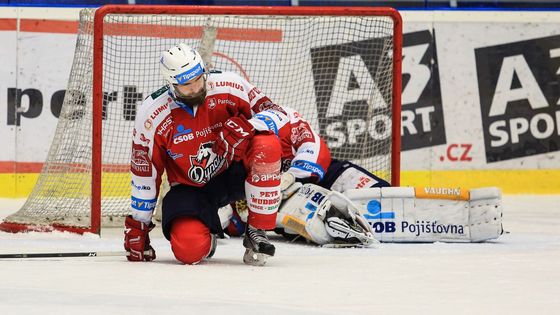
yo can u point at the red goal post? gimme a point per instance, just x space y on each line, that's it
360 134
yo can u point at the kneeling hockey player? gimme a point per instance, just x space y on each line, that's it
204 129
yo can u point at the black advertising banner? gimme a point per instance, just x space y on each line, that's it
349 69
519 87
422 113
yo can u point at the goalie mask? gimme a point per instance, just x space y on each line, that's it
183 69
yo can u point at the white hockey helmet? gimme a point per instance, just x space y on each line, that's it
180 64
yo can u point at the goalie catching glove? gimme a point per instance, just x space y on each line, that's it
324 217
137 240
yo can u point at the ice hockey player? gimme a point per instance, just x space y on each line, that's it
205 130
337 203
306 159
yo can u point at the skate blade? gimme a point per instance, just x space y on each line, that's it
254 259
337 245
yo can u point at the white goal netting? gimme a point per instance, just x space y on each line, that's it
336 70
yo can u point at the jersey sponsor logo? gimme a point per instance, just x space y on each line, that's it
143 204
204 164
182 135
253 93
188 75
208 130
269 122
211 102
140 187
159 110
232 85
264 177
140 161
163 127
148 124
174 155
311 167
226 101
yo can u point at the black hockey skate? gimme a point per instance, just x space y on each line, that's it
258 247
213 245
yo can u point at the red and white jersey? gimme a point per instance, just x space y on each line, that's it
179 139
304 152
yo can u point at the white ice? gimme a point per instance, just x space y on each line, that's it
517 274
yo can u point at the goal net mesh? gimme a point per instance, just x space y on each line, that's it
337 71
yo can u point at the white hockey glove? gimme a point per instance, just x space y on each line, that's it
325 217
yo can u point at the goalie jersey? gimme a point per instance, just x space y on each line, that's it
179 139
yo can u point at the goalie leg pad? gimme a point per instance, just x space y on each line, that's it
425 214
191 240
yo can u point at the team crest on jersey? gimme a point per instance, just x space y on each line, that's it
211 103
140 161
204 164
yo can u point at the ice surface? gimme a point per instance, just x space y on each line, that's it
517 274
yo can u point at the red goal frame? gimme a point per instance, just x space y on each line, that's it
232 10
98 35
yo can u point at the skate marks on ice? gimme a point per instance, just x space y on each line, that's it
516 274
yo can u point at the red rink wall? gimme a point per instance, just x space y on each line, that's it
481 103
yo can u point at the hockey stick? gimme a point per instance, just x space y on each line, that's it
74 254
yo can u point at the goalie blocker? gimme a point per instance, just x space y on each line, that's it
393 214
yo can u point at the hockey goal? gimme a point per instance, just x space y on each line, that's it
339 66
